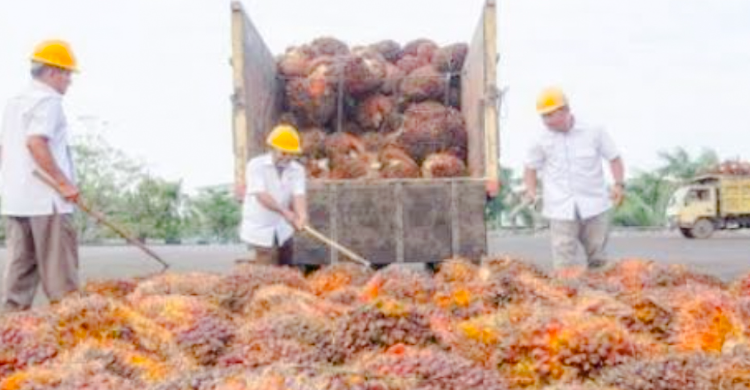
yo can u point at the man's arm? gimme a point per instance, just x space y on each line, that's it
530 182
618 170
618 174
40 152
300 211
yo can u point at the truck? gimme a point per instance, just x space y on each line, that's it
709 203
384 220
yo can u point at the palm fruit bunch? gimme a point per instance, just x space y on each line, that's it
201 329
380 324
563 346
313 142
364 72
121 359
670 372
265 352
397 164
311 377
289 337
424 83
450 58
26 339
443 165
512 281
197 284
431 368
459 292
479 338
731 168
67 377
637 275
377 113
400 283
81 319
111 288
278 299
338 276
431 127
236 290
380 88
313 98
705 320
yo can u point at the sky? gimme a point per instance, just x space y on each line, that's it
156 76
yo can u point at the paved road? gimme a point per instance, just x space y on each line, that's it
725 256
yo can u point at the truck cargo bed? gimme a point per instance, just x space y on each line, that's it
414 220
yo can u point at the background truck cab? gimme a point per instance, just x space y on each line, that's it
710 203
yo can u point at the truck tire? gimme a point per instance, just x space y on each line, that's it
703 229
686 233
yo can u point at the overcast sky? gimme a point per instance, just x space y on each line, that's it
657 73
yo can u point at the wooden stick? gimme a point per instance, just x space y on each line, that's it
100 218
335 245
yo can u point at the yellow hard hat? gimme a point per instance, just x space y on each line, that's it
284 138
550 99
55 53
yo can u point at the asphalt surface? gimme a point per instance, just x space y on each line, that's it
725 255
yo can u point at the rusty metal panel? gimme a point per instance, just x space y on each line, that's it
256 98
427 222
306 249
472 230
479 95
366 222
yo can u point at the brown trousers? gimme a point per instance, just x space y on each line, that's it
42 248
591 233
277 255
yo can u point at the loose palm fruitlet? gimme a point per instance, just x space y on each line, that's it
496 324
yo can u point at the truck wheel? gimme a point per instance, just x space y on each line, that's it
686 233
702 229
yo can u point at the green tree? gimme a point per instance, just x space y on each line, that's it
153 209
105 174
214 215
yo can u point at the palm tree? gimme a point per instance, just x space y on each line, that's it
679 164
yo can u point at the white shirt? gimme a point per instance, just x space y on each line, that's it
571 168
260 225
36 111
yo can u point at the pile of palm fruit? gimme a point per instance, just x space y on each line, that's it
504 324
376 111
731 168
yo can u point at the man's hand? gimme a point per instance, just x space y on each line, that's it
617 194
239 192
529 196
301 222
70 192
289 216
493 187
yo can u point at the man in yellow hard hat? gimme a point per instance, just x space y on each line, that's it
41 239
275 202
569 155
